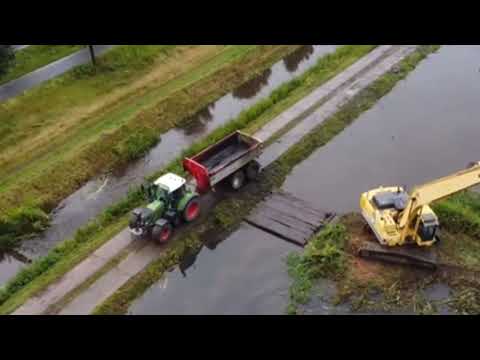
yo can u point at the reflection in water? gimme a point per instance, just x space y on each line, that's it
210 241
246 274
11 255
252 88
293 60
197 123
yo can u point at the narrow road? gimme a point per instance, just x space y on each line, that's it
19 47
325 101
28 81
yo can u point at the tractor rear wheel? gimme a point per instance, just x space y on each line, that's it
237 180
162 234
192 210
252 170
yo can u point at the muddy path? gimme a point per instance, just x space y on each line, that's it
426 127
90 200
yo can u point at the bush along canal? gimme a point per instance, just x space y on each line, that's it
83 205
65 256
229 213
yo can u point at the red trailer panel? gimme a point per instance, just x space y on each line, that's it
200 174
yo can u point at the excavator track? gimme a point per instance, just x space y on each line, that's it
399 255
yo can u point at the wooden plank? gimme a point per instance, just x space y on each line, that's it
278 227
308 220
288 220
284 206
296 202
291 208
287 217
278 230
301 205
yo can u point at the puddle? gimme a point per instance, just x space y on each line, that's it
96 195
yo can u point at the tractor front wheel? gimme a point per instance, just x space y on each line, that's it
162 234
192 210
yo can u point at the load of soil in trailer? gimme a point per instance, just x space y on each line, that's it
229 151
232 157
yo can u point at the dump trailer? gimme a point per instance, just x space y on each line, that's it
174 200
232 159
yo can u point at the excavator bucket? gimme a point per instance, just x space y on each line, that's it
413 256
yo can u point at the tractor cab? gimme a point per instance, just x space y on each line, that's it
170 188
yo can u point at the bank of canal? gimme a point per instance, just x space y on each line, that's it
424 128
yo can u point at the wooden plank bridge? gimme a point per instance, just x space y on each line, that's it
289 218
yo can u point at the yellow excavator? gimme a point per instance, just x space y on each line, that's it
404 223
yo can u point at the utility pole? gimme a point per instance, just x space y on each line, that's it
92 55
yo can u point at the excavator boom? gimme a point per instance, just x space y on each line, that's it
439 189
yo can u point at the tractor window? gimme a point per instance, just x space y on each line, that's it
161 193
178 194
150 191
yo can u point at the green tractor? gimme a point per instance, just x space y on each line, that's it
171 203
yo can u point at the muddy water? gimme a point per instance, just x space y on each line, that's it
10 265
97 194
240 276
425 128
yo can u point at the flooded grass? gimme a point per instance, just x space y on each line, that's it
323 257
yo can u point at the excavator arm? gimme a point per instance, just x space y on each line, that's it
438 189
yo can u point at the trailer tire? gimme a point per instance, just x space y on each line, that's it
253 169
237 180
161 234
192 210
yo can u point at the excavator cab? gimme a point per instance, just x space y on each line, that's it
428 226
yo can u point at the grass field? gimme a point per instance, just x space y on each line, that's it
35 57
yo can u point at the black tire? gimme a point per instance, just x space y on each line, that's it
192 210
237 180
252 170
162 234
133 221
